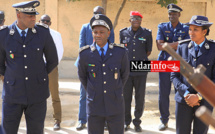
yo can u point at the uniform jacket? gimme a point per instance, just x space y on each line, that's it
22 64
206 56
168 34
138 44
104 80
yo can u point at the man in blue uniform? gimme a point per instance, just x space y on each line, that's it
25 88
103 70
138 41
170 32
86 38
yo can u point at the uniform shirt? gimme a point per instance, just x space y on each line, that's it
168 34
86 37
58 43
22 64
138 44
20 31
206 57
104 80
99 49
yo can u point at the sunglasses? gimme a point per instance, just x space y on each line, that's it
45 21
97 12
134 19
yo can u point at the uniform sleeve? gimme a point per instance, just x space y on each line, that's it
187 36
125 68
160 35
149 43
120 37
175 78
82 37
111 37
2 60
82 71
50 53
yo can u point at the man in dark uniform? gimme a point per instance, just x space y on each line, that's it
138 41
103 69
170 32
2 20
25 88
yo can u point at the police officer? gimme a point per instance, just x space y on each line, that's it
2 20
25 87
138 41
103 70
170 32
198 50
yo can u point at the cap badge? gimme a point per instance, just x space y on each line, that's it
97 16
12 31
36 4
194 17
170 6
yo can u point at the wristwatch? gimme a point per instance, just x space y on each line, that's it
200 96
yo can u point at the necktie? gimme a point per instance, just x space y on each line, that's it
102 55
23 35
197 50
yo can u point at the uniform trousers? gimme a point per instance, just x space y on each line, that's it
54 90
185 115
164 92
139 84
34 115
82 116
115 124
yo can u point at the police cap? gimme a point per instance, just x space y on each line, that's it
101 20
27 7
199 21
173 8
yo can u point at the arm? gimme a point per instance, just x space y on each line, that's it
149 45
82 71
125 68
50 53
82 37
2 60
111 37
59 46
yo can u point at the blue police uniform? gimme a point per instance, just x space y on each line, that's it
138 44
104 81
25 87
168 34
185 114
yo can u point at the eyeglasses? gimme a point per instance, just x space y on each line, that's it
97 13
45 21
134 19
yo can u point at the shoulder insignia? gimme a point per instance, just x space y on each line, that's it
210 40
190 45
123 29
34 30
92 47
12 31
111 45
42 24
182 41
3 27
119 45
149 30
83 48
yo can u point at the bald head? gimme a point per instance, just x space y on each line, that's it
2 20
98 10
45 19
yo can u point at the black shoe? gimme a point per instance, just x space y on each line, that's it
163 127
126 127
105 126
138 129
81 126
56 126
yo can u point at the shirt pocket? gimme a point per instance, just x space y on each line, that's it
92 72
11 52
42 78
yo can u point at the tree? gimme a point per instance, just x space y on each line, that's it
164 3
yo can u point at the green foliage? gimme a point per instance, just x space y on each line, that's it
164 3
72 0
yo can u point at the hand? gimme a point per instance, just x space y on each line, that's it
192 100
2 78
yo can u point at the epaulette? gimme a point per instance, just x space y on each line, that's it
83 48
182 41
211 40
119 45
123 29
3 27
149 30
42 24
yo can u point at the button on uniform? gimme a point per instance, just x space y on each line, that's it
25 55
105 82
24 46
26 78
26 67
105 91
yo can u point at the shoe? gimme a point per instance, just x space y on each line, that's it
81 126
138 129
105 126
163 127
56 126
126 127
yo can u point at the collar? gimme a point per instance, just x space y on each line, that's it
19 30
105 48
200 45
177 27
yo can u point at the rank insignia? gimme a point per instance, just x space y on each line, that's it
34 30
12 56
207 46
12 31
167 31
142 39
91 65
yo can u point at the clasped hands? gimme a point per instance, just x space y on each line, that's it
192 100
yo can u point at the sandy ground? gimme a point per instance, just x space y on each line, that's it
69 94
